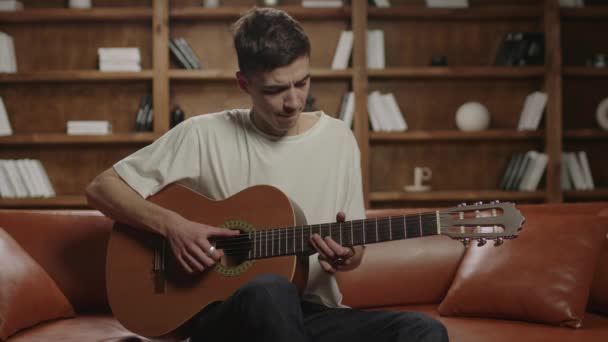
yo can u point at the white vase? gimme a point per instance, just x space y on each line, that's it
472 116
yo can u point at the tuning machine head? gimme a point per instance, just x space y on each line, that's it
481 242
499 241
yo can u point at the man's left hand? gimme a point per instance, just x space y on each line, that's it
333 256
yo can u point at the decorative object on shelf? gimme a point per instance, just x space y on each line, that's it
177 116
598 60
521 49
439 60
79 3
421 174
532 112
145 114
270 2
184 54
10 6
602 114
211 3
472 116
322 3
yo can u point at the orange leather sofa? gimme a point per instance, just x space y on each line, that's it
414 274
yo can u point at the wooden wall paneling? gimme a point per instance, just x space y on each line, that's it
95 3
202 97
160 91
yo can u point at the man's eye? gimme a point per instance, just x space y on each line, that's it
272 91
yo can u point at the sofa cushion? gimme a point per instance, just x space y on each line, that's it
28 295
598 299
542 276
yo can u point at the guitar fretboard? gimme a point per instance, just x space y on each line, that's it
295 240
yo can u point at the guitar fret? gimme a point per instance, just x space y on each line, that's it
404 227
363 232
390 229
352 242
272 238
420 216
377 230
249 252
254 244
279 239
266 244
340 226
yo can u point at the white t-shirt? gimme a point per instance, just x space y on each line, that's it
223 153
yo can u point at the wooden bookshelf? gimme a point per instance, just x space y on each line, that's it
58 81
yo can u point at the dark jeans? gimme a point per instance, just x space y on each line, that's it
269 309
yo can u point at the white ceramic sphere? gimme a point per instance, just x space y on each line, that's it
472 116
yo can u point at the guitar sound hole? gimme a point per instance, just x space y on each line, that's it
233 256
232 260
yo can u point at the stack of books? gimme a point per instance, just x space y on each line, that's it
384 113
119 59
183 53
576 172
5 124
24 178
375 50
8 59
524 171
447 3
89 127
532 112
144 120
10 5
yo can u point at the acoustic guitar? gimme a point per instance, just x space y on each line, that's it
151 295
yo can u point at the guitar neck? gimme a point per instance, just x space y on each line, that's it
295 240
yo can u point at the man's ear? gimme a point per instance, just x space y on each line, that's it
243 84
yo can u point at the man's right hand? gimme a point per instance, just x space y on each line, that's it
190 244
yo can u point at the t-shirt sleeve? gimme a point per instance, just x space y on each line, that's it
355 208
174 157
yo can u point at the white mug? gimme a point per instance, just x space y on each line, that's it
422 174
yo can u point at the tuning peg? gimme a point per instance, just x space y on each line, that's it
499 241
478 203
463 204
466 242
495 202
481 242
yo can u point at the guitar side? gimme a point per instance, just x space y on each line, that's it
149 292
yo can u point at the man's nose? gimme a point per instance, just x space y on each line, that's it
292 100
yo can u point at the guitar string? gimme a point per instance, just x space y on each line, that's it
290 230
382 232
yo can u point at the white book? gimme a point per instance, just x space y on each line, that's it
570 3
375 111
532 112
575 171
584 161
15 178
88 131
10 5
527 173
349 109
391 104
447 3
123 68
343 51
127 53
8 62
382 3
6 187
322 3
375 49
89 124
48 187
29 167
5 124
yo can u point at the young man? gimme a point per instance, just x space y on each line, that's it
311 157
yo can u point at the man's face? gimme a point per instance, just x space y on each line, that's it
278 96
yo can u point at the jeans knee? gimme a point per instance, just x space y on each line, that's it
265 288
422 328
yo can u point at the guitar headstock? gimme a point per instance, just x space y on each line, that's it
482 222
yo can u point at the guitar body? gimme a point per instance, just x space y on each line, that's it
149 292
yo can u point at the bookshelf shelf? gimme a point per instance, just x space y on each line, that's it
64 201
598 194
589 133
75 76
233 12
228 75
76 15
64 139
418 12
455 196
592 12
448 135
586 72
482 72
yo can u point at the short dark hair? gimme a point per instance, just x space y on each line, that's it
268 38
